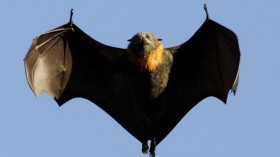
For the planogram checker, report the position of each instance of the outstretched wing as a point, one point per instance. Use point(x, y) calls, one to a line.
point(206, 65)
point(66, 63)
point(51, 56)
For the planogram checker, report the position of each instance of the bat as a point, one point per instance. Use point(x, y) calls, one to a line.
point(146, 88)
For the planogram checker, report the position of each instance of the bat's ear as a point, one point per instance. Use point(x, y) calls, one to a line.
point(159, 39)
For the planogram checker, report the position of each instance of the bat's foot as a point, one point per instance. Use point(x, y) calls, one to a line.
point(153, 148)
point(145, 147)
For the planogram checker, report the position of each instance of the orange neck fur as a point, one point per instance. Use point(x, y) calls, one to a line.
point(151, 62)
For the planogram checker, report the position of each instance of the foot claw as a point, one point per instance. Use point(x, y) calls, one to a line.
point(152, 154)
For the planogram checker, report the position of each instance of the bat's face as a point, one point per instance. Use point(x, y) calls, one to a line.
point(146, 51)
point(144, 43)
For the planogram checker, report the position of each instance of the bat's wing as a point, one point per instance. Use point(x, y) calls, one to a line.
point(205, 65)
point(66, 63)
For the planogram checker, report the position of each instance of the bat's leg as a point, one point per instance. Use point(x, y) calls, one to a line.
point(153, 148)
point(145, 147)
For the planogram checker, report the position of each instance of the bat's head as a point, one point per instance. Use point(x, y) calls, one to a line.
point(142, 44)
point(145, 50)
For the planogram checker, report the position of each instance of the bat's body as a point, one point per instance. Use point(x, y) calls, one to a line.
point(146, 88)
point(152, 65)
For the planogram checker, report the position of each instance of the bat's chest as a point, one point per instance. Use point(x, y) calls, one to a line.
point(141, 85)
point(149, 63)
point(152, 84)
point(149, 76)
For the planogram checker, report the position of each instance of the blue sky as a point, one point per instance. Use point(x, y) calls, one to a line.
point(249, 125)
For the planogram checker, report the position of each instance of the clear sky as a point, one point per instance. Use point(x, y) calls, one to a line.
point(248, 126)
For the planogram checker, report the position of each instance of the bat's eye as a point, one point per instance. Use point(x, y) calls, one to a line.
point(148, 36)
